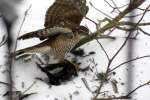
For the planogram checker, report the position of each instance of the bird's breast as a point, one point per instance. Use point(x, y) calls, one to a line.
point(63, 45)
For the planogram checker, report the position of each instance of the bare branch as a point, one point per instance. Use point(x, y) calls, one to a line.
point(124, 43)
point(98, 91)
point(103, 49)
point(113, 23)
point(128, 96)
point(134, 59)
point(126, 40)
point(100, 11)
point(144, 31)
point(133, 24)
point(25, 15)
point(3, 41)
point(86, 84)
point(147, 83)
point(116, 7)
point(113, 98)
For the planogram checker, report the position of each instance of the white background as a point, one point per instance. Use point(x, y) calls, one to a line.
point(26, 72)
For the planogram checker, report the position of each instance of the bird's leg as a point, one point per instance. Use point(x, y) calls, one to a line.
point(25, 56)
point(41, 59)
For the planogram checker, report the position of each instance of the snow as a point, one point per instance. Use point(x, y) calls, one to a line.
point(75, 89)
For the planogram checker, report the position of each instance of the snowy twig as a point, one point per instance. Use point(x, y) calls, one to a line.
point(134, 59)
point(126, 96)
point(25, 15)
point(11, 60)
point(29, 87)
point(124, 43)
point(112, 23)
point(3, 41)
point(86, 84)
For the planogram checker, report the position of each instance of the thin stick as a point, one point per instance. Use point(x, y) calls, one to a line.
point(11, 61)
point(86, 84)
point(126, 40)
point(134, 59)
point(100, 11)
point(25, 15)
point(148, 83)
point(103, 49)
point(29, 87)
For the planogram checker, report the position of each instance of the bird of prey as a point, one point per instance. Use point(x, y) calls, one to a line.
point(62, 30)
point(66, 13)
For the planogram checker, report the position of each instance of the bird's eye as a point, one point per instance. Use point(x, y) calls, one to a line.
point(70, 36)
point(83, 1)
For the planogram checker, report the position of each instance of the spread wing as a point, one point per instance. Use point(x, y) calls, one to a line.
point(66, 13)
point(62, 17)
point(46, 33)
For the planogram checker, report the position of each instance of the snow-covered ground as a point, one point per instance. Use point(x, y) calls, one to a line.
point(24, 73)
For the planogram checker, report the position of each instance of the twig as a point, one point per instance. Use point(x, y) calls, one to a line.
point(111, 60)
point(103, 49)
point(29, 87)
point(113, 98)
point(143, 9)
point(144, 31)
point(111, 24)
point(3, 41)
point(92, 37)
point(86, 84)
point(135, 15)
point(98, 91)
point(133, 24)
point(7, 84)
point(11, 61)
point(132, 6)
point(148, 83)
point(116, 7)
point(25, 15)
point(91, 21)
point(125, 41)
point(128, 96)
point(108, 3)
point(100, 11)
point(137, 58)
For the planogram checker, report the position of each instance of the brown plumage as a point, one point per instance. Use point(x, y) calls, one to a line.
point(66, 13)
point(56, 47)
point(62, 29)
